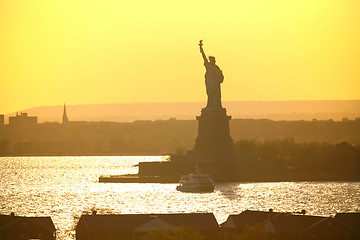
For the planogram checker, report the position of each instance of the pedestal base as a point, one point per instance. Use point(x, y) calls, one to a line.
point(213, 152)
point(213, 134)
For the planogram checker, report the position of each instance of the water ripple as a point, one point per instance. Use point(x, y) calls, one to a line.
point(66, 187)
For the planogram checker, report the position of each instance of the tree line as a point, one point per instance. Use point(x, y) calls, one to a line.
point(337, 161)
point(175, 136)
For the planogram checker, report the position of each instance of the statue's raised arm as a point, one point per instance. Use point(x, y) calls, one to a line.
point(213, 78)
point(202, 51)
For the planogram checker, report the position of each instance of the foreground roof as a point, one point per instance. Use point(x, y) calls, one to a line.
point(350, 219)
point(201, 221)
point(250, 217)
point(44, 222)
point(293, 223)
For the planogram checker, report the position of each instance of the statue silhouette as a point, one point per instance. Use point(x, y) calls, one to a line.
point(213, 78)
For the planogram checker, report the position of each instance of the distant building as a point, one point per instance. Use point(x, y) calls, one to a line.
point(2, 120)
point(65, 118)
point(134, 226)
point(20, 228)
point(22, 120)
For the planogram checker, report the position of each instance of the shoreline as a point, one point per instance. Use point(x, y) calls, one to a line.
point(136, 178)
point(91, 155)
point(243, 176)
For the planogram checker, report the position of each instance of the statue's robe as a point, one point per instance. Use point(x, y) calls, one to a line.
point(213, 78)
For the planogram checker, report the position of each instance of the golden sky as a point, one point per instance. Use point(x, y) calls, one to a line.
point(83, 51)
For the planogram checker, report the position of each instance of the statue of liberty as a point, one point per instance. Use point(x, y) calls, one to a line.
point(213, 78)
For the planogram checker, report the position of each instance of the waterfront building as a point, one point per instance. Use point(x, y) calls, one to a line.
point(289, 226)
point(135, 226)
point(328, 229)
point(19, 228)
point(236, 223)
point(350, 219)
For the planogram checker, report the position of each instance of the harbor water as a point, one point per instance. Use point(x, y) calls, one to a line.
point(66, 187)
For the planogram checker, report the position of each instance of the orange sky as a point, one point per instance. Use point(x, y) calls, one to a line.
point(108, 51)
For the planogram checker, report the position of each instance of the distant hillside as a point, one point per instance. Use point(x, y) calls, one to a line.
point(274, 110)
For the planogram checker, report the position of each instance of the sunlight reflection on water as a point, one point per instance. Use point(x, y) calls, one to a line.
point(65, 187)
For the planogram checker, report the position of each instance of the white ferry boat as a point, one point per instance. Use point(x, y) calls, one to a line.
point(196, 183)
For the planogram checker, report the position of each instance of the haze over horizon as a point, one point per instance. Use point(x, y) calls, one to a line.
point(90, 52)
point(129, 112)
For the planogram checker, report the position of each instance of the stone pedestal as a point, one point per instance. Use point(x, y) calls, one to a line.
point(213, 143)
point(213, 152)
point(214, 131)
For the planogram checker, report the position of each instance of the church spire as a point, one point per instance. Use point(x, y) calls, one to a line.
point(65, 118)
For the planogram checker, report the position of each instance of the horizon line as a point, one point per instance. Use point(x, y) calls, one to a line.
point(129, 103)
